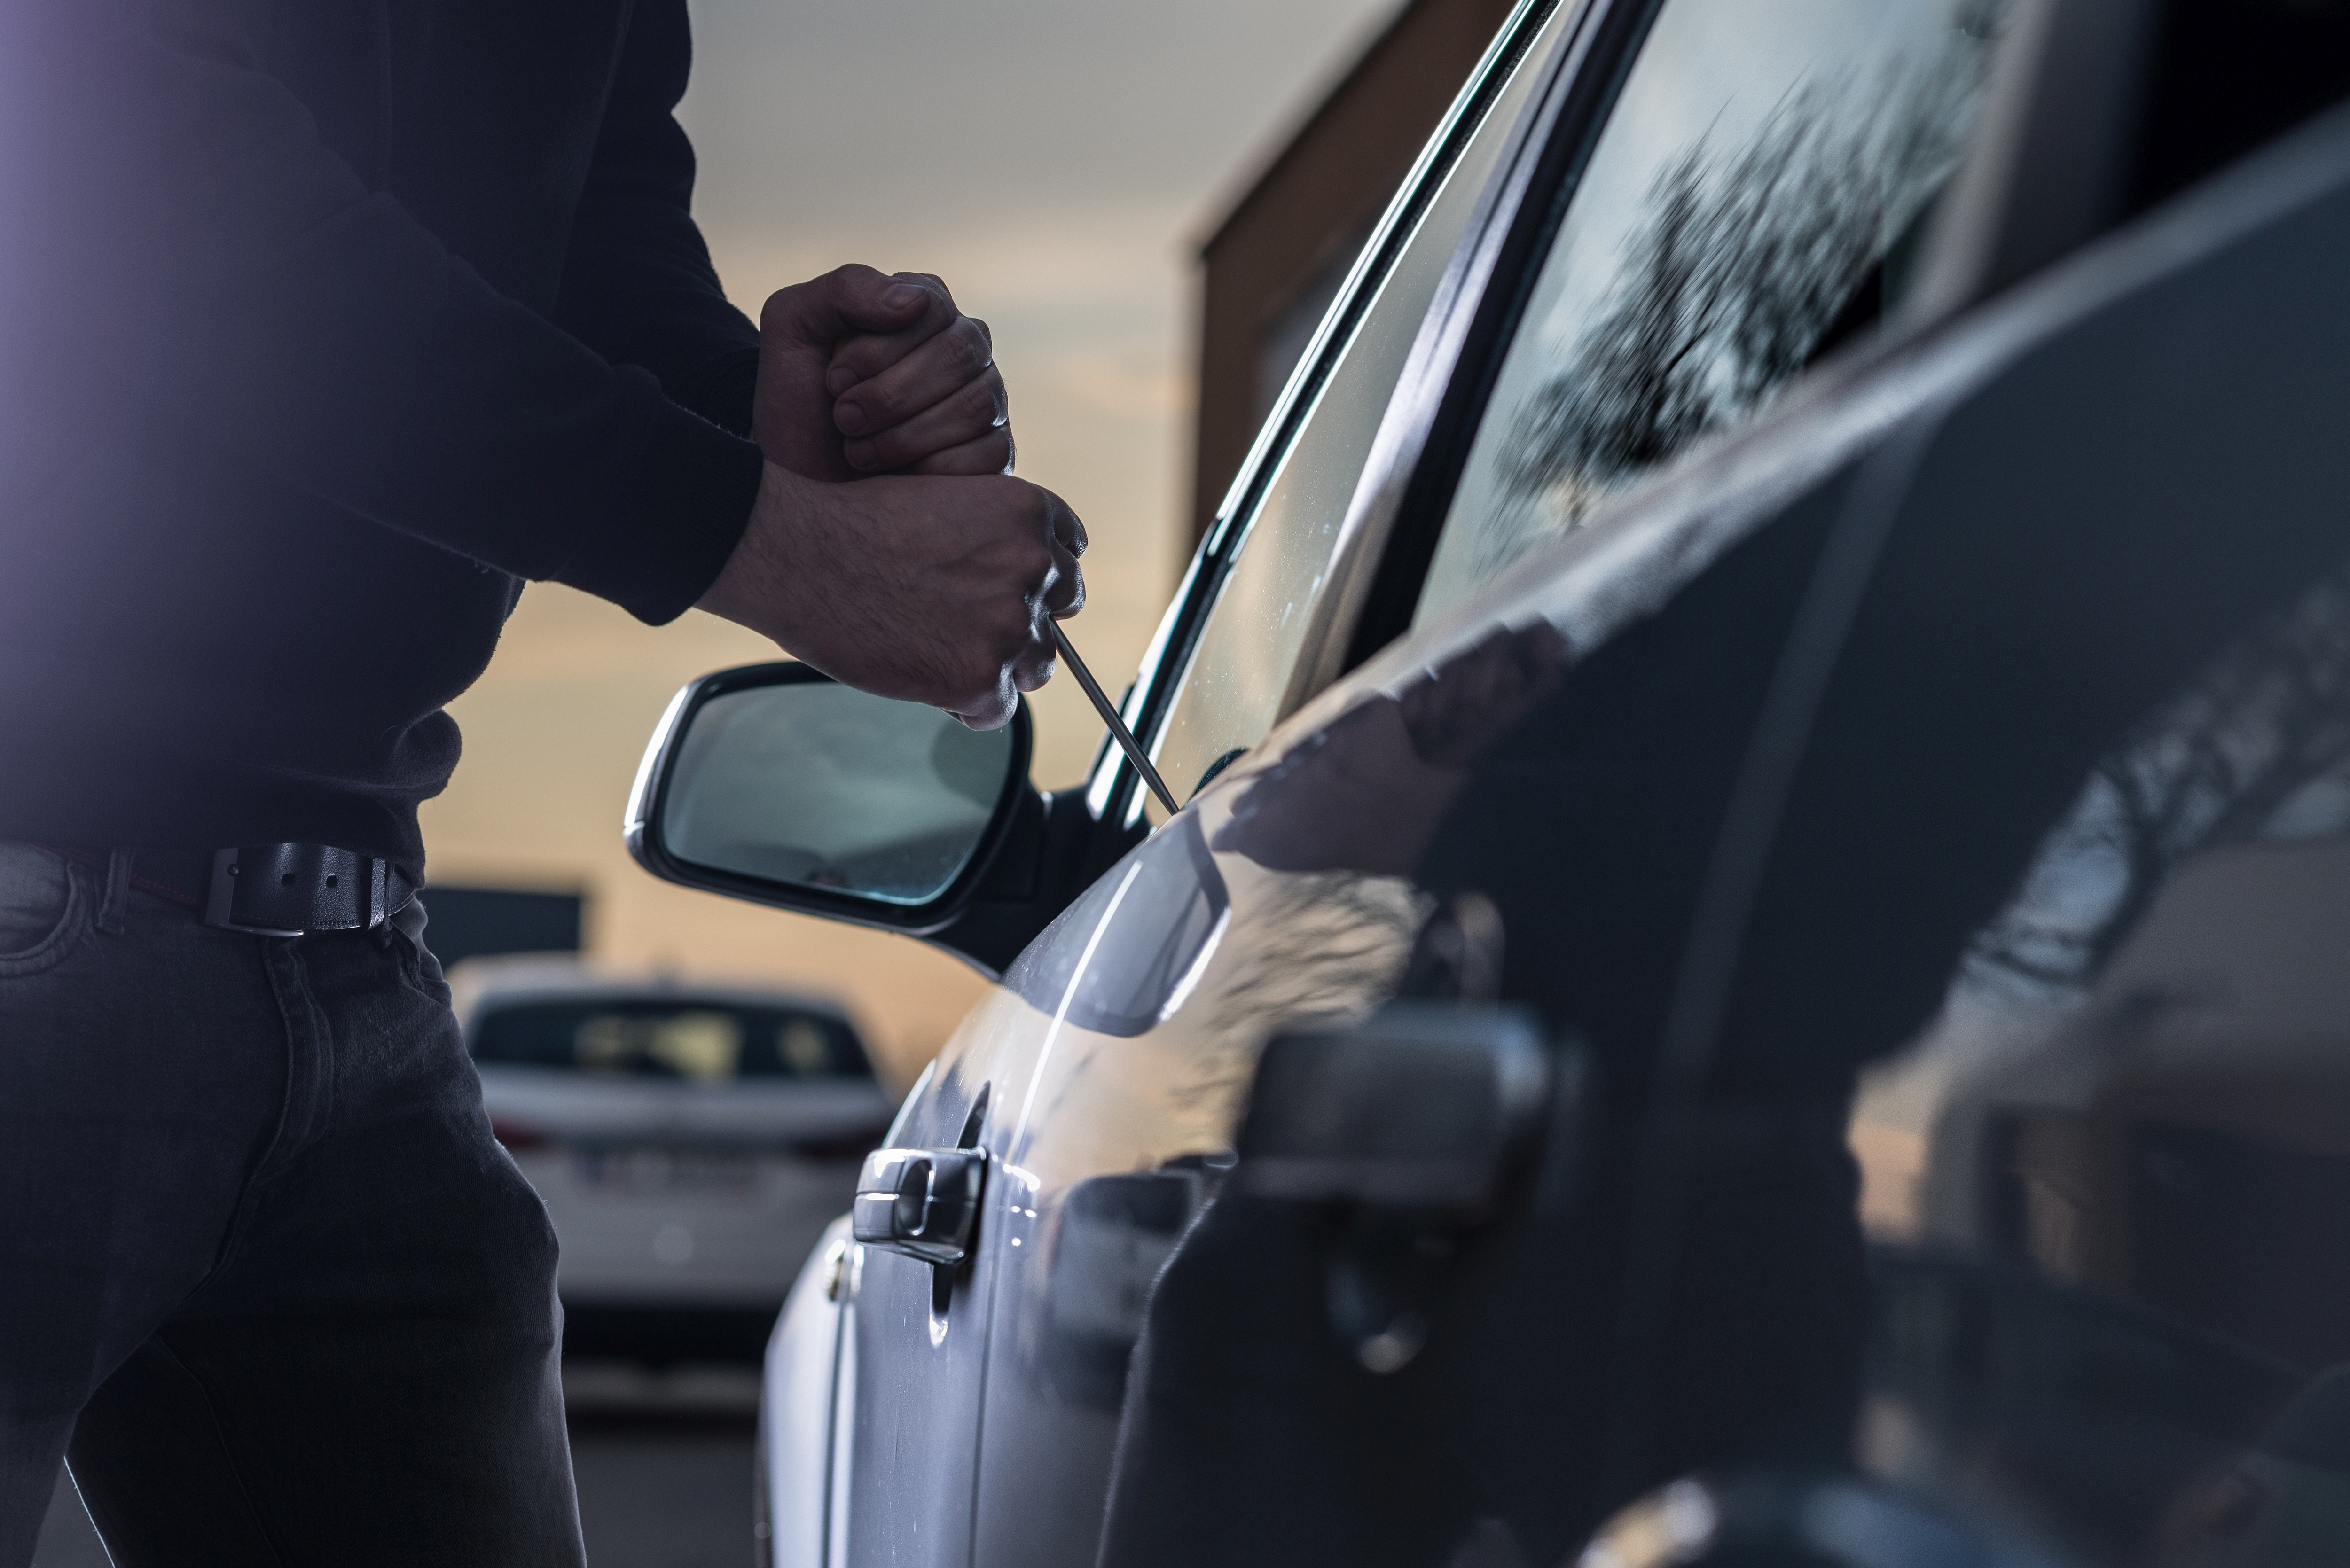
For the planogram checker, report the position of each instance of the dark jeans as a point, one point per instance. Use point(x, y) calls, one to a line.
point(266, 1279)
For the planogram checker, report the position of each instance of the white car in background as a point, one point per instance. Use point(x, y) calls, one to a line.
point(691, 1144)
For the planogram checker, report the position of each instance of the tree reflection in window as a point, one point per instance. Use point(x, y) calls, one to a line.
point(1749, 263)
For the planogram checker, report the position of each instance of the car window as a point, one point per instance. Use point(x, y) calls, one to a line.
point(1754, 199)
point(1231, 692)
point(699, 1042)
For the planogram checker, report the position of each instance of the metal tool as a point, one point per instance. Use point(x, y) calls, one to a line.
point(1117, 730)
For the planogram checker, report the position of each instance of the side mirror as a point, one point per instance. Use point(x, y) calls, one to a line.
point(775, 783)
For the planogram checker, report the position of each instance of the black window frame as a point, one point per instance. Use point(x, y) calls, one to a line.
point(1577, 111)
point(1113, 783)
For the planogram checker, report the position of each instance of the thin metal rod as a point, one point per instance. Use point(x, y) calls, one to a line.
point(1117, 730)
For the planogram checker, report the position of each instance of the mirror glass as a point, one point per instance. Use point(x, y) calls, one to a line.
point(822, 785)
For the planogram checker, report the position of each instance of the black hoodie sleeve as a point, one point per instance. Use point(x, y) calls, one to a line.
point(637, 285)
point(174, 207)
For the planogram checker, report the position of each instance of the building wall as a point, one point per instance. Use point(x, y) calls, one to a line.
point(1274, 262)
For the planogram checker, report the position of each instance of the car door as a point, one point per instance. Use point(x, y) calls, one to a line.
point(2024, 652)
point(2043, 824)
point(1150, 998)
point(2016, 643)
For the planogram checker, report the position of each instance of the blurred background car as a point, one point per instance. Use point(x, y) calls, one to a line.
point(691, 1143)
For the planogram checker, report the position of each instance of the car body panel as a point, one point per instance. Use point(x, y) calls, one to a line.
point(801, 1387)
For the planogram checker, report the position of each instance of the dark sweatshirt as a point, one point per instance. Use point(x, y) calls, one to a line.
point(323, 325)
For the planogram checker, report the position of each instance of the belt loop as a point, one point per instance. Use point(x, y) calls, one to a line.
point(117, 899)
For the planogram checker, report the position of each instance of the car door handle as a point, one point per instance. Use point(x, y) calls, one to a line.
point(923, 1202)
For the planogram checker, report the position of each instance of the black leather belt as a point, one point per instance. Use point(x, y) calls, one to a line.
point(271, 889)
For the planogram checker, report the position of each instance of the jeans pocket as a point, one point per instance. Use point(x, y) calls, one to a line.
point(41, 907)
point(418, 966)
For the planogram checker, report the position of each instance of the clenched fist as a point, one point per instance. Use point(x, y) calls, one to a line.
point(862, 373)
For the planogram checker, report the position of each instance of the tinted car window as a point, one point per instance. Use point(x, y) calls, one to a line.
point(1755, 198)
point(693, 1040)
point(1238, 679)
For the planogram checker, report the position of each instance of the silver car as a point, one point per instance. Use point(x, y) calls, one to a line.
point(691, 1144)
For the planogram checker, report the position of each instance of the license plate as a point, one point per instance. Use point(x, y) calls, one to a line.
point(666, 1170)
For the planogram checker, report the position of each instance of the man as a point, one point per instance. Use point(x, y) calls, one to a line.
point(323, 325)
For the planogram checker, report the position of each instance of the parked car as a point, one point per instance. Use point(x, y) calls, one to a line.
point(691, 1144)
point(1796, 605)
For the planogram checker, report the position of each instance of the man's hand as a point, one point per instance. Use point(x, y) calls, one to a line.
point(864, 373)
point(928, 589)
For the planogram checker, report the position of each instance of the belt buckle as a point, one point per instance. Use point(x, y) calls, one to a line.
point(220, 900)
